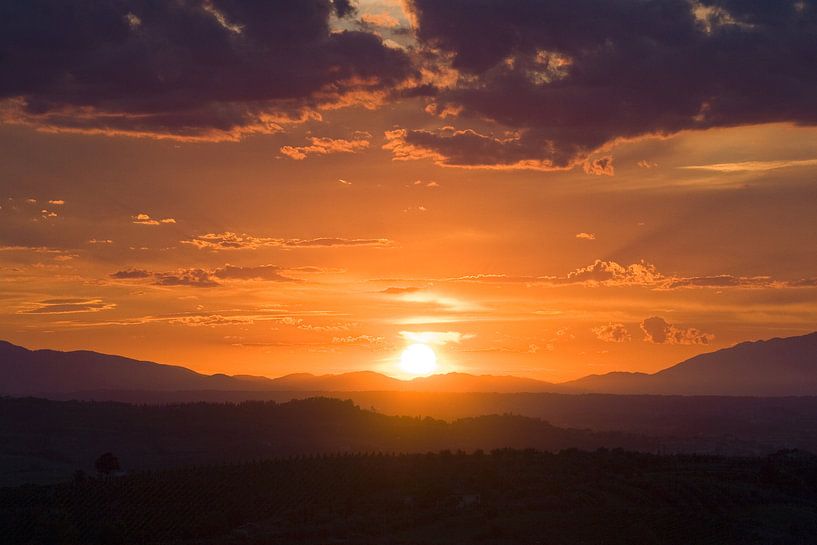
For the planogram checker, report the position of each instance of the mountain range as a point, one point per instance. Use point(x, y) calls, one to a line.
point(775, 367)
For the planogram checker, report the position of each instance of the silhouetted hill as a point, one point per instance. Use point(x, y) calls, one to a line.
point(776, 367)
point(42, 440)
point(51, 373)
point(42, 372)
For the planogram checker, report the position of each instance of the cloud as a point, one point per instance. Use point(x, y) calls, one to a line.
point(230, 241)
point(643, 274)
point(646, 164)
point(380, 19)
point(192, 70)
point(753, 166)
point(467, 148)
point(571, 78)
point(327, 242)
point(724, 281)
point(203, 278)
point(131, 274)
point(145, 219)
point(197, 278)
point(68, 306)
point(210, 320)
point(586, 236)
point(611, 273)
point(400, 291)
point(56, 202)
point(435, 337)
point(659, 331)
point(235, 241)
point(326, 146)
point(270, 273)
point(612, 333)
point(359, 340)
point(602, 166)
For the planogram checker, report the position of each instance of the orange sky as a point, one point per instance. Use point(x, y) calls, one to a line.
point(318, 248)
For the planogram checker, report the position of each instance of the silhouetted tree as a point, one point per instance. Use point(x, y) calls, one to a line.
point(107, 464)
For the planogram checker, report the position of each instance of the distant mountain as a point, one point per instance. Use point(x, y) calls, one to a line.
point(50, 372)
point(41, 372)
point(777, 367)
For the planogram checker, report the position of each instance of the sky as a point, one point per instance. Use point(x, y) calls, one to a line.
point(531, 188)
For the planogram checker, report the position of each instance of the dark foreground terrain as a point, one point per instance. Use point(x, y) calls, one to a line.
point(44, 441)
point(506, 496)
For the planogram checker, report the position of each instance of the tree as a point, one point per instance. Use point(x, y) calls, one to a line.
point(107, 464)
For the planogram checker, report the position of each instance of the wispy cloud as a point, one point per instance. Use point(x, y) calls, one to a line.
point(243, 241)
point(325, 146)
point(435, 337)
point(753, 166)
point(70, 305)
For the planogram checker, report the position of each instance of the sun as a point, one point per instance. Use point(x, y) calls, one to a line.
point(418, 359)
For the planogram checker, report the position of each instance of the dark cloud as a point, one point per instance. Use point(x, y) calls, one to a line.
point(204, 278)
point(130, 274)
point(191, 69)
point(197, 278)
point(570, 77)
point(657, 330)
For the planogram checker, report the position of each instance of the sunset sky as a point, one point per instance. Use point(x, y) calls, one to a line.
point(542, 189)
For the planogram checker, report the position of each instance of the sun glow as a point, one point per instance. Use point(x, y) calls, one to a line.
point(418, 359)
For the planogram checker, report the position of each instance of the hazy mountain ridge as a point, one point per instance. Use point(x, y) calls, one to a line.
point(775, 367)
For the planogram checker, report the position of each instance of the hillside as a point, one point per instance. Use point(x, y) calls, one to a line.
point(776, 367)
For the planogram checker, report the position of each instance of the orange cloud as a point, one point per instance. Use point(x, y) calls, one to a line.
point(380, 19)
point(145, 219)
point(326, 146)
point(612, 333)
point(603, 166)
point(659, 331)
point(235, 241)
